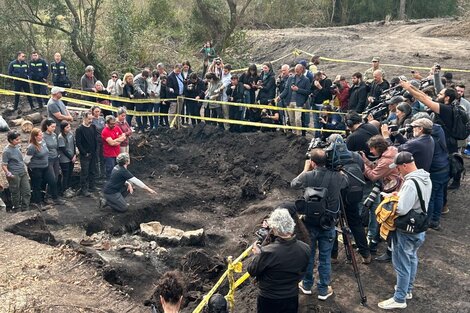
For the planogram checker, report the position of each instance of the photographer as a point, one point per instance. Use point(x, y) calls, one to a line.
point(322, 225)
point(376, 88)
point(413, 195)
point(330, 121)
point(269, 117)
point(340, 91)
point(279, 266)
point(360, 133)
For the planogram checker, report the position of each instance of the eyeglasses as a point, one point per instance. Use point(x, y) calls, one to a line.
point(114, 76)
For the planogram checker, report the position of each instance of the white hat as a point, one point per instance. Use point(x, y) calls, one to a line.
point(56, 90)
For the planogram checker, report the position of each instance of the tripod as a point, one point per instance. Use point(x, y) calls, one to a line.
point(346, 235)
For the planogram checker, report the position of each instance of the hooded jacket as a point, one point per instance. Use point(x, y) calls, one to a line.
point(380, 169)
point(409, 195)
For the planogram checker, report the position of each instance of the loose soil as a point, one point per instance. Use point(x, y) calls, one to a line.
point(82, 258)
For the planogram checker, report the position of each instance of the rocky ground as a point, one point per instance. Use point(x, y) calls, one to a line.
point(82, 258)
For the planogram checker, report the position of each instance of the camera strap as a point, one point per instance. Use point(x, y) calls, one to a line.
point(420, 196)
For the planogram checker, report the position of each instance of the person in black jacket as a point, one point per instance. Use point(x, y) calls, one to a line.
point(357, 94)
point(19, 68)
point(266, 84)
point(321, 93)
point(279, 266)
point(85, 137)
point(360, 133)
point(376, 88)
point(39, 71)
point(194, 89)
point(235, 94)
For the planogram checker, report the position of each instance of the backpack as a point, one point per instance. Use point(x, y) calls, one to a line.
point(460, 128)
point(386, 215)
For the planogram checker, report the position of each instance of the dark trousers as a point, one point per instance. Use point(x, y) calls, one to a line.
point(67, 169)
point(235, 113)
point(194, 109)
point(141, 120)
point(40, 90)
point(87, 172)
point(109, 164)
point(215, 113)
point(164, 110)
point(129, 106)
point(355, 225)
point(40, 177)
point(288, 305)
point(22, 86)
point(117, 201)
point(153, 120)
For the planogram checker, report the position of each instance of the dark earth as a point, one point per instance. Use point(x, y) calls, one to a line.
point(82, 258)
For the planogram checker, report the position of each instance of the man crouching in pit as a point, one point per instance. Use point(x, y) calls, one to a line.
point(119, 185)
point(279, 266)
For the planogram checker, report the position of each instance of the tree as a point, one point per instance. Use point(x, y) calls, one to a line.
point(76, 19)
point(402, 10)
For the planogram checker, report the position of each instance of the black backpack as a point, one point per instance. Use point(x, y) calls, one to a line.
point(460, 128)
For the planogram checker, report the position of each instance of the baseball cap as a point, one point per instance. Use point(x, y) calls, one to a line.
point(401, 158)
point(56, 90)
point(375, 59)
point(303, 63)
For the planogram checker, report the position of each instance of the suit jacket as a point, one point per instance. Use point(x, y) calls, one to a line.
point(302, 93)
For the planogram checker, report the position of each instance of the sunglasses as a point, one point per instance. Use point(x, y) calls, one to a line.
point(114, 76)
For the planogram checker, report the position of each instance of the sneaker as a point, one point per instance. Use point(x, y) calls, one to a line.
point(391, 304)
point(445, 209)
point(435, 225)
point(386, 257)
point(69, 193)
point(373, 247)
point(305, 291)
point(367, 259)
point(409, 295)
point(329, 292)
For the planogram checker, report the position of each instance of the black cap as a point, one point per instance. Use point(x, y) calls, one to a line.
point(401, 158)
point(395, 100)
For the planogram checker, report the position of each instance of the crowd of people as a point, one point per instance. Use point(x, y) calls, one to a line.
point(402, 133)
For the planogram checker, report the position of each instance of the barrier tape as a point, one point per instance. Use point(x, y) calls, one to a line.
point(89, 93)
point(262, 106)
point(177, 115)
point(230, 268)
point(385, 64)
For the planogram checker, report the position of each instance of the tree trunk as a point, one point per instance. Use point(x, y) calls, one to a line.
point(402, 10)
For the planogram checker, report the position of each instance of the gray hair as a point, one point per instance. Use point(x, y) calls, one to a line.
point(281, 221)
point(122, 158)
point(89, 68)
point(109, 118)
point(121, 110)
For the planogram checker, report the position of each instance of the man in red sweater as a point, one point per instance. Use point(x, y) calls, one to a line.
point(112, 137)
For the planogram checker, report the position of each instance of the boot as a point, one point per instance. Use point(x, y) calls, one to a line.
point(386, 257)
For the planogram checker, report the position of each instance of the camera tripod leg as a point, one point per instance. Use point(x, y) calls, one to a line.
point(346, 233)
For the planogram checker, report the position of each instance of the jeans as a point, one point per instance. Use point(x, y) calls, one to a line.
point(439, 181)
point(142, 120)
point(87, 171)
point(405, 261)
point(316, 119)
point(20, 190)
point(323, 239)
point(153, 120)
point(67, 169)
point(109, 164)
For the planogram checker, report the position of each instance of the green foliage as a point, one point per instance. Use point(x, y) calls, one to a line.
point(120, 27)
point(209, 20)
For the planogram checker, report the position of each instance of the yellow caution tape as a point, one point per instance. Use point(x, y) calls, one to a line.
point(90, 94)
point(206, 298)
point(386, 64)
point(210, 119)
point(262, 106)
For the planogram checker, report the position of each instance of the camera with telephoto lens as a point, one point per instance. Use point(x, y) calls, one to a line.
point(407, 129)
point(373, 195)
point(264, 234)
point(392, 128)
point(315, 143)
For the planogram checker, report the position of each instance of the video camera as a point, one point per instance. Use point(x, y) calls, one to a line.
point(264, 234)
